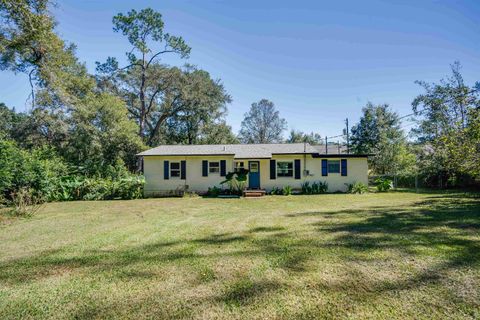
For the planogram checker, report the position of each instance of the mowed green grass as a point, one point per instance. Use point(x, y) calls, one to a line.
point(388, 256)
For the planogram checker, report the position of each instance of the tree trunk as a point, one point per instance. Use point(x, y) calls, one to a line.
point(143, 109)
point(156, 128)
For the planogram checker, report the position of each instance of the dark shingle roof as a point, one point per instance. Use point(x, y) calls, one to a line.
point(240, 150)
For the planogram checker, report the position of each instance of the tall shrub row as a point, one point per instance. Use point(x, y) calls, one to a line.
point(42, 175)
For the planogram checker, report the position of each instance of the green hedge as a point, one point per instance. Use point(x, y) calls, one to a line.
point(49, 178)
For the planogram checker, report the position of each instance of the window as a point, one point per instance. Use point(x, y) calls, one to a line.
point(214, 167)
point(239, 165)
point(253, 167)
point(175, 169)
point(333, 166)
point(284, 169)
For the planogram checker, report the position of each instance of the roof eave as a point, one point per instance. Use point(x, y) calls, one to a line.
point(340, 155)
point(186, 155)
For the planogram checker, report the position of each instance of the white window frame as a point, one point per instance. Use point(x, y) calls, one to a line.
point(214, 169)
point(179, 170)
point(339, 166)
point(290, 163)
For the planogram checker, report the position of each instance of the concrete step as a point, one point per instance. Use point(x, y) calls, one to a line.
point(253, 193)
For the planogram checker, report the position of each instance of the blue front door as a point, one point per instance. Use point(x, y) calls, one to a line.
point(254, 175)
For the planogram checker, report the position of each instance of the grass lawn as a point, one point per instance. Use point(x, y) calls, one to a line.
point(397, 255)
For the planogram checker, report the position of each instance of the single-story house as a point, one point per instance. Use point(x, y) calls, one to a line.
point(168, 168)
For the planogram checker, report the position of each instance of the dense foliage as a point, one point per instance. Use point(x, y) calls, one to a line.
point(444, 149)
point(378, 133)
point(299, 136)
point(448, 130)
point(39, 170)
point(41, 175)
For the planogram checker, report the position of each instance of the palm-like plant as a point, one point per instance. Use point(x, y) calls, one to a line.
point(236, 180)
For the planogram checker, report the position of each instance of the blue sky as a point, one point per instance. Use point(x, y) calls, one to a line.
point(318, 61)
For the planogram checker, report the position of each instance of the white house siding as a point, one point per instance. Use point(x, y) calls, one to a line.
point(357, 170)
point(156, 184)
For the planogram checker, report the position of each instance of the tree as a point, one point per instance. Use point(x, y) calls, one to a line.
point(143, 29)
point(298, 136)
point(447, 127)
point(29, 44)
point(444, 106)
point(101, 134)
point(217, 133)
point(9, 120)
point(262, 124)
point(378, 132)
point(191, 103)
point(26, 36)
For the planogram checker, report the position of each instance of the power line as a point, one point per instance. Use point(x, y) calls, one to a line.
point(340, 135)
point(411, 114)
point(415, 113)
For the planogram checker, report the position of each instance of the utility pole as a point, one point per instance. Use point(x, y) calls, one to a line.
point(326, 145)
point(348, 137)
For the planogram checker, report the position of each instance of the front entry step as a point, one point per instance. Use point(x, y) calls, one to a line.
point(253, 193)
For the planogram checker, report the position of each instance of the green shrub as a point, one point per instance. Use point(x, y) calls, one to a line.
point(39, 170)
point(319, 187)
point(314, 188)
point(287, 190)
point(276, 191)
point(96, 188)
point(357, 187)
point(130, 187)
point(214, 191)
point(383, 184)
point(69, 188)
point(46, 176)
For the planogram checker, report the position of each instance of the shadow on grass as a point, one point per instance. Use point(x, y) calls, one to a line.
point(220, 239)
point(266, 229)
point(445, 227)
point(244, 291)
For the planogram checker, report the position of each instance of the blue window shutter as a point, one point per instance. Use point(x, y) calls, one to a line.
point(166, 170)
point(298, 173)
point(223, 168)
point(273, 167)
point(324, 167)
point(344, 167)
point(183, 170)
point(204, 168)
